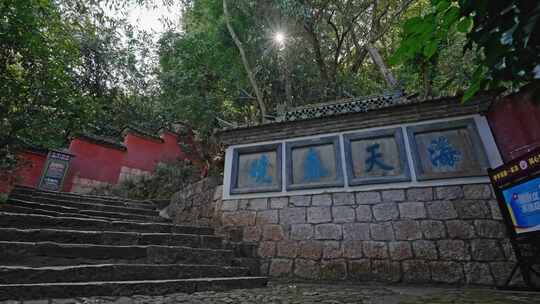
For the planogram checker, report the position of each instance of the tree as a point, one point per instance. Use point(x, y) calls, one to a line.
point(507, 34)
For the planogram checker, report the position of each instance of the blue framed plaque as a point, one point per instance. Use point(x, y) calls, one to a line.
point(375, 157)
point(314, 163)
point(447, 150)
point(256, 169)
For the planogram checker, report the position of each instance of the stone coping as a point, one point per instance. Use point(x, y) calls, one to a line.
point(443, 107)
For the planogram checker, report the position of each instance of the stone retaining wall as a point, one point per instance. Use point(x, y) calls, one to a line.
point(451, 234)
point(194, 205)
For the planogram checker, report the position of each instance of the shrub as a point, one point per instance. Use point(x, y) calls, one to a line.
point(167, 179)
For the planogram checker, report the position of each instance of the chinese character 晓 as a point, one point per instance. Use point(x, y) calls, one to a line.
point(258, 170)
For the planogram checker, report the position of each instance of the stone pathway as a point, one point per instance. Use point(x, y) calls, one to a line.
point(292, 293)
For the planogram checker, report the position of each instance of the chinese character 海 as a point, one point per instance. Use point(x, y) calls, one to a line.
point(442, 154)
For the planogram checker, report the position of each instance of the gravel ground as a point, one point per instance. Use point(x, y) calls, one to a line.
point(290, 293)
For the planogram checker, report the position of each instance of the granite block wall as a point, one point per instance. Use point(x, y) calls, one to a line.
point(448, 234)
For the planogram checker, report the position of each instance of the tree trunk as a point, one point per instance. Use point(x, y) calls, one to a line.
point(250, 74)
point(426, 79)
point(377, 59)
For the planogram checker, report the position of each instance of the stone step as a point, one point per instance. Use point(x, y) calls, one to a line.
point(59, 254)
point(82, 205)
point(71, 211)
point(125, 288)
point(92, 199)
point(29, 221)
point(24, 210)
point(114, 272)
point(110, 238)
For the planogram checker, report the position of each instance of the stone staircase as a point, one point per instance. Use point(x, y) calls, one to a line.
point(62, 245)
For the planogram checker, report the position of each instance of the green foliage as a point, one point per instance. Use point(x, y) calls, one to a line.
point(3, 198)
point(505, 32)
point(167, 179)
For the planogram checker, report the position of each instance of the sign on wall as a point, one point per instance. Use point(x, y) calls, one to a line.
point(54, 171)
point(376, 157)
point(517, 186)
point(256, 169)
point(314, 163)
point(447, 150)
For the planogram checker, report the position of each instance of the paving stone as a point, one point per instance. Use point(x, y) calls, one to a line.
point(343, 198)
point(321, 200)
point(332, 250)
point(356, 231)
point(279, 202)
point(306, 269)
point(343, 214)
point(301, 232)
point(382, 231)
point(447, 272)
point(287, 249)
point(267, 249)
point(239, 218)
point(310, 250)
point(333, 293)
point(363, 213)
point(267, 217)
point(333, 270)
point(486, 250)
point(289, 216)
point(368, 198)
point(420, 194)
point(495, 210)
point(229, 205)
point(243, 204)
point(490, 229)
point(386, 271)
point(460, 229)
point(472, 209)
point(252, 234)
point(478, 274)
point(416, 271)
point(359, 270)
point(317, 215)
point(328, 232)
point(441, 210)
point(280, 267)
point(376, 250)
point(425, 250)
point(478, 191)
point(397, 195)
point(272, 233)
point(400, 250)
point(433, 229)
point(385, 211)
point(448, 192)
point(412, 210)
point(300, 200)
point(353, 249)
point(258, 204)
point(453, 250)
point(407, 230)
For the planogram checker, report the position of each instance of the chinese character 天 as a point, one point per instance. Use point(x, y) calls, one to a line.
point(375, 159)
